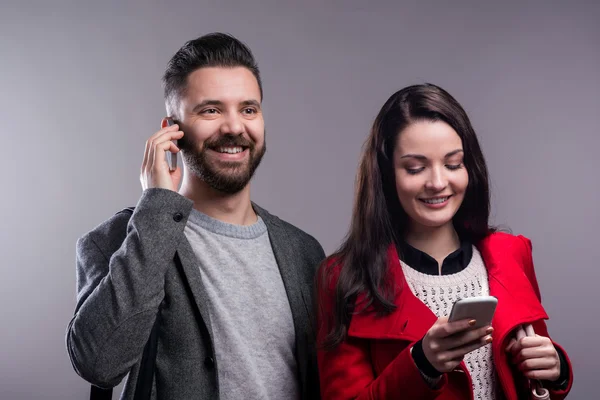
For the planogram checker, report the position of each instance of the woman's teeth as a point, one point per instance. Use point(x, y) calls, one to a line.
point(435, 201)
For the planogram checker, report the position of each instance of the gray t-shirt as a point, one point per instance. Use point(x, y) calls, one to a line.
point(249, 310)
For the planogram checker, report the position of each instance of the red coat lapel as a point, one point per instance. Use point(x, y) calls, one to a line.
point(411, 319)
point(517, 302)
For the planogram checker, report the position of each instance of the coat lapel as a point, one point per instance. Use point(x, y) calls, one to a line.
point(289, 263)
point(517, 301)
point(290, 266)
point(409, 321)
point(189, 265)
point(287, 260)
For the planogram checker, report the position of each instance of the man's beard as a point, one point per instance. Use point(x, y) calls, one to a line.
point(229, 176)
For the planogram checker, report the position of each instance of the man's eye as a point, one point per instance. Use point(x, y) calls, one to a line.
point(210, 111)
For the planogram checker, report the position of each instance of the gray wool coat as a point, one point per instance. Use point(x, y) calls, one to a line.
point(133, 270)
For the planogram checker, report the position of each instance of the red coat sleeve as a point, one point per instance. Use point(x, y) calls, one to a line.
point(540, 326)
point(347, 372)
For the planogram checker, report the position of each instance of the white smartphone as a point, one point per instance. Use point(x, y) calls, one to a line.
point(171, 157)
point(481, 309)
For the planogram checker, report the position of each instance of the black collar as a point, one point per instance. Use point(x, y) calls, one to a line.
point(424, 263)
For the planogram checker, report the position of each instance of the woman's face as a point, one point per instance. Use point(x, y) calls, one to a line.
point(431, 178)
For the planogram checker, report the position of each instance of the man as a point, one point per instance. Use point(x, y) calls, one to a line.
point(222, 288)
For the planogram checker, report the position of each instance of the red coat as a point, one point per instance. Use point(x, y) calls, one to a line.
point(374, 362)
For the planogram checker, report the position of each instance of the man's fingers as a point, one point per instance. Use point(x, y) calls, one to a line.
point(162, 131)
point(167, 136)
point(159, 153)
point(174, 133)
point(155, 171)
point(158, 141)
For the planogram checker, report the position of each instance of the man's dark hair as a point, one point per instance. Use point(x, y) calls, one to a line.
point(211, 50)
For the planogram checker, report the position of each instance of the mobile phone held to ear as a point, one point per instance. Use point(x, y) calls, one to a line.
point(481, 309)
point(172, 157)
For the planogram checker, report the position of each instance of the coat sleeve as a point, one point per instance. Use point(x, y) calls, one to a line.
point(119, 292)
point(346, 372)
point(540, 326)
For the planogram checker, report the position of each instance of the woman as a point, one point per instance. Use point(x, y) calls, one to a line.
point(419, 240)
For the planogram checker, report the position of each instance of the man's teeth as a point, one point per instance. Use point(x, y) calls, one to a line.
point(435, 201)
point(230, 150)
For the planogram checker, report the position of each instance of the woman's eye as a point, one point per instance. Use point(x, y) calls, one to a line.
point(414, 171)
point(454, 167)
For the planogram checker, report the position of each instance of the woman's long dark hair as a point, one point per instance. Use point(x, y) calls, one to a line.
point(378, 219)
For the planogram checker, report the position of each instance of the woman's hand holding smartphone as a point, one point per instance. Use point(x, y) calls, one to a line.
point(467, 329)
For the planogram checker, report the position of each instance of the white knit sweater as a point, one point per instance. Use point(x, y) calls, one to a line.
point(439, 292)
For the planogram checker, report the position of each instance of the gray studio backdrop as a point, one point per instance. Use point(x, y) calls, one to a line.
point(81, 93)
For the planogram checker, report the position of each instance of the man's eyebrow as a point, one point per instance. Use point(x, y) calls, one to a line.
point(205, 103)
point(254, 103)
point(209, 102)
